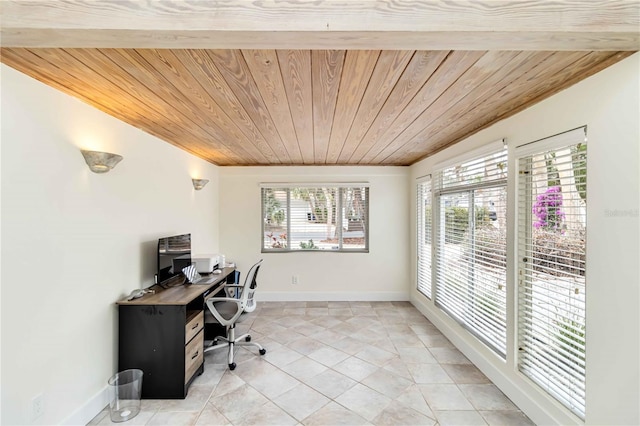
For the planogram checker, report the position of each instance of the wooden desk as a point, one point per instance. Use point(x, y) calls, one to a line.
point(163, 335)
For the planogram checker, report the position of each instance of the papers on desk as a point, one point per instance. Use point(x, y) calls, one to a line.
point(191, 273)
point(193, 277)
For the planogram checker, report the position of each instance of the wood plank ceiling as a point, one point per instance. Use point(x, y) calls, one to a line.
point(302, 107)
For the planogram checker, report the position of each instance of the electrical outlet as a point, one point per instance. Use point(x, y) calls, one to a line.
point(37, 406)
point(294, 279)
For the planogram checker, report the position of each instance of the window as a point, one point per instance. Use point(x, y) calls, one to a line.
point(328, 217)
point(470, 246)
point(552, 201)
point(424, 235)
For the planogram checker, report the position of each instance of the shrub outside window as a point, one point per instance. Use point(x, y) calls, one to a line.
point(315, 218)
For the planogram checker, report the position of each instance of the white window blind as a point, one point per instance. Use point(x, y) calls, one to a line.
point(305, 217)
point(471, 246)
point(552, 197)
point(424, 216)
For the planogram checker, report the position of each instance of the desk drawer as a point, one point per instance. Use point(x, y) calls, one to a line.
point(195, 323)
point(193, 355)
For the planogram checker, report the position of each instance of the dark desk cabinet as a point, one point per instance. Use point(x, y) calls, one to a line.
point(163, 335)
point(159, 340)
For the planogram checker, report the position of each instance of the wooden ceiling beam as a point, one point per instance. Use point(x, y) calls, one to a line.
point(329, 24)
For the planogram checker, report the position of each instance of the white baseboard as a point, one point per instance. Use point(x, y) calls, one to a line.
point(337, 296)
point(89, 410)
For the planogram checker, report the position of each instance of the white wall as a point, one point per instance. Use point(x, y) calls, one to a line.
point(381, 274)
point(608, 103)
point(74, 242)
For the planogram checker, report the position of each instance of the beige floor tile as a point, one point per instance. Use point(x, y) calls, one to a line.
point(305, 345)
point(339, 304)
point(268, 414)
point(360, 304)
point(355, 368)
point(416, 355)
point(506, 418)
point(236, 404)
point(317, 312)
point(459, 418)
point(465, 374)
point(331, 383)
point(435, 341)
point(347, 345)
point(429, 373)
point(328, 356)
point(285, 335)
point(327, 336)
point(364, 401)
point(319, 304)
point(282, 356)
point(387, 383)
point(301, 401)
point(304, 368)
point(291, 321)
point(196, 399)
point(170, 418)
point(340, 311)
point(444, 397)
point(325, 322)
point(273, 384)
point(395, 415)
point(228, 383)
point(487, 397)
point(308, 329)
point(295, 311)
point(399, 368)
point(211, 375)
point(376, 355)
point(363, 311)
point(210, 416)
point(335, 415)
point(449, 356)
point(413, 398)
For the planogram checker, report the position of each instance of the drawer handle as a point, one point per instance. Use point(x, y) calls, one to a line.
point(196, 355)
point(195, 326)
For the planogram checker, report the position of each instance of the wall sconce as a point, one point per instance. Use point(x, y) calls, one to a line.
point(100, 162)
point(198, 184)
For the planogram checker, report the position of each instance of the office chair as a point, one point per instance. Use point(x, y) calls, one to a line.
point(228, 311)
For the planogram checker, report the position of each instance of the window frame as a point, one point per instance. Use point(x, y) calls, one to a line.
point(339, 189)
point(544, 374)
point(424, 270)
point(443, 187)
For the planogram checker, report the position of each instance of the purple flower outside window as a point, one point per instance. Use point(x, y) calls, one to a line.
point(547, 209)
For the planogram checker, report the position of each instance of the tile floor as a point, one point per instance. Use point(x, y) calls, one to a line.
point(337, 363)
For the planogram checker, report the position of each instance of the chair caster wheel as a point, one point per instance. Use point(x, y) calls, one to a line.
point(247, 339)
point(262, 351)
point(232, 366)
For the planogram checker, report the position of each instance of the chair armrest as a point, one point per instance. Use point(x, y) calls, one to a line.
point(223, 299)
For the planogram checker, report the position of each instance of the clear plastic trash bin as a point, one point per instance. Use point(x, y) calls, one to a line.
point(125, 389)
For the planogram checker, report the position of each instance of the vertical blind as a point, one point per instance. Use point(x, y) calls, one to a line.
point(306, 217)
point(552, 197)
point(424, 216)
point(471, 246)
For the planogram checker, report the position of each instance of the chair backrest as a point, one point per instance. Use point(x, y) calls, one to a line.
point(249, 288)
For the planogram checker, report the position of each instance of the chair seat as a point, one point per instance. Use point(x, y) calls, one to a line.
point(226, 310)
